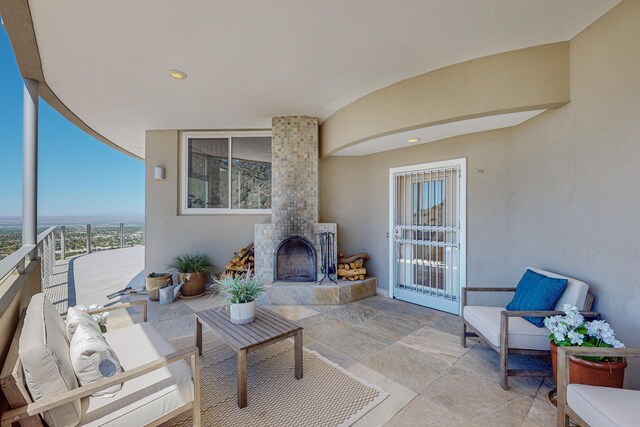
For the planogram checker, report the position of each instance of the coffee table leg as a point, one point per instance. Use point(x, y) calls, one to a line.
point(242, 378)
point(298, 353)
point(199, 336)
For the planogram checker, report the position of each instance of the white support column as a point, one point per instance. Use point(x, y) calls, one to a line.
point(30, 164)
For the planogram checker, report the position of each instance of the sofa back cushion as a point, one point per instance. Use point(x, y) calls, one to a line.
point(575, 293)
point(44, 353)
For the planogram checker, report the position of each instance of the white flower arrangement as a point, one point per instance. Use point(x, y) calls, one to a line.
point(572, 330)
point(101, 318)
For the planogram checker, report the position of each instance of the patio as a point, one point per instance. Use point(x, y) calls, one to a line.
point(411, 352)
point(454, 145)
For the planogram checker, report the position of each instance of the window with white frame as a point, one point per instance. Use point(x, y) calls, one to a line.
point(226, 172)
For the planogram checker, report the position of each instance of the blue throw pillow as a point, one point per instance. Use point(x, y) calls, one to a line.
point(537, 292)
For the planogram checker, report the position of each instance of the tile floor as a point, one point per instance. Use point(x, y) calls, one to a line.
point(412, 352)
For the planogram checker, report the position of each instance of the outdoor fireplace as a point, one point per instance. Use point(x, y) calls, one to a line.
point(295, 260)
point(289, 248)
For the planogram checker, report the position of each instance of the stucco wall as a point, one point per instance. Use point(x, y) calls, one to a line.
point(169, 234)
point(559, 192)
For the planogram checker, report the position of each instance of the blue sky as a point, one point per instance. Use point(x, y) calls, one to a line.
point(78, 175)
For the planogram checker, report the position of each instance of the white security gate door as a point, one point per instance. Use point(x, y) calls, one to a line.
point(427, 234)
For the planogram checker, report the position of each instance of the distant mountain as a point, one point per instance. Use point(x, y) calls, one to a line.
point(48, 221)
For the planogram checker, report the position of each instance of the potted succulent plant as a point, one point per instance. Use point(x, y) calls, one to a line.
point(241, 291)
point(572, 330)
point(193, 270)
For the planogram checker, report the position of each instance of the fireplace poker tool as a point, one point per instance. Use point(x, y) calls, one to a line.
point(326, 247)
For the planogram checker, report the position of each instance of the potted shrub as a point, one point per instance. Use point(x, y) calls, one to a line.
point(241, 291)
point(193, 270)
point(572, 330)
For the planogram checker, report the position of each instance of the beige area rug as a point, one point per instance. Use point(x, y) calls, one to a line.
point(327, 395)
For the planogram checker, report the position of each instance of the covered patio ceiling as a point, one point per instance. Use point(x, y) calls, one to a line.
point(246, 61)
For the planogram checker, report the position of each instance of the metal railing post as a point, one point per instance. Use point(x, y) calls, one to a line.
point(122, 235)
point(63, 242)
point(88, 238)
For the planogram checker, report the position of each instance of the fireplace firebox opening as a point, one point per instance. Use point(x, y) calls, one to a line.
point(295, 260)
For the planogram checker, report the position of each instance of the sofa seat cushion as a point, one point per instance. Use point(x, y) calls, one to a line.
point(604, 406)
point(146, 398)
point(522, 334)
point(44, 352)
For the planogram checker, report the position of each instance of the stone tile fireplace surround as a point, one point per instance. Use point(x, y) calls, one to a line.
point(294, 193)
point(294, 213)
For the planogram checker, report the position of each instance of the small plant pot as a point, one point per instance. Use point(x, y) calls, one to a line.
point(242, 313)
point(194, 283)
point(603, 374)
point(152, 284)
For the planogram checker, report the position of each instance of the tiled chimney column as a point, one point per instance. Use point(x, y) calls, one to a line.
point(294, 191)
point(294, 160)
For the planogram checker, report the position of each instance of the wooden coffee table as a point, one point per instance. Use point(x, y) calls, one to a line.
point(267, 329)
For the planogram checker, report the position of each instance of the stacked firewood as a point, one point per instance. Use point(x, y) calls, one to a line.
point(352, 267)
point(241, 262)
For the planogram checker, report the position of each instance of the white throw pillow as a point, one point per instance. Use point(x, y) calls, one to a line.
point(93, 359)
point(77, 317)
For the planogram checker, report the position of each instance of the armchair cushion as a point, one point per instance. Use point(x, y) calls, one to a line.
point(144, 399)
point(575, 292)
point(44, 352)
point(522, 334)
point(604, 406)
point(537, 292)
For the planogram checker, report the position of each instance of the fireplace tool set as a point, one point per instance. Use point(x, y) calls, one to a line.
point(328, 268)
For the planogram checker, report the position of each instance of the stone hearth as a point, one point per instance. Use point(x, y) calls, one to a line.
point(328, 293)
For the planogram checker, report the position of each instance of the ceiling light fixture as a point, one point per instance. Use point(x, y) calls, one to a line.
point(177, 74)
point(413, 140)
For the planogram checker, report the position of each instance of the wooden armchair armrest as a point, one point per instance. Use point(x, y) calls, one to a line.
point(49, 403)
point(481, 289)
point(564, 370)
point(565, 352)
point(536, 313)
point(119, 306)
point(487, 289)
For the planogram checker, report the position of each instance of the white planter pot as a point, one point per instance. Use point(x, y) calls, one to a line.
point(242, 313)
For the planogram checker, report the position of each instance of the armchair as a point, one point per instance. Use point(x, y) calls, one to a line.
point(508, 333)
point(593, 406)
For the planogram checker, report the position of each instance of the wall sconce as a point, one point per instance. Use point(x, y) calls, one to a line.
point(158, 173)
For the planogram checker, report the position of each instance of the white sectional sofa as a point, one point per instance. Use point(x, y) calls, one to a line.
point(40, 384)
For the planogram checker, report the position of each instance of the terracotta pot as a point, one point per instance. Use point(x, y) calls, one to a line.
point(193, 283)
point(604, 374)
point(152, 284)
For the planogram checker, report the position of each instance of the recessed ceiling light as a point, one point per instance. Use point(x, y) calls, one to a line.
point(137, 148)
point(413, 140)
point(177, 74)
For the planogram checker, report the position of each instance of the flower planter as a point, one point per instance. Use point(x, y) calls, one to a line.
point(153, 283)
point(242, 313)
point(194, 283)
point(604, 374)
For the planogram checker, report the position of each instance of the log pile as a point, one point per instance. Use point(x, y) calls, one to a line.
point(352, 267)
point(241, 262)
